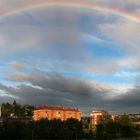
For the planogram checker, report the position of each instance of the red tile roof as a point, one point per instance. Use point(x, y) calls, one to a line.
point(56, 108)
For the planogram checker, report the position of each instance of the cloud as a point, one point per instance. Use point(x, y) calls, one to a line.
point(56, 89)
point(55, 34)
point(126, 35)
point(128, 102)
point(58, 82)
point(123, 32)
point(127, 74)
point(17, 66)
point(42, 48)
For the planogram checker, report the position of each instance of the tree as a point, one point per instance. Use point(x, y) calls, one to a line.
point(124, 120)
point(126, 127)
point(112, 129)
point(100, 132)
point(6, 109)
point(28, 111)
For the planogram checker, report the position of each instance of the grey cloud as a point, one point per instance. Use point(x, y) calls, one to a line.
point(59, 82)
point(56, 89)
point(128, 102)
point(55, 34)
point(54, 41)
point(126, 35)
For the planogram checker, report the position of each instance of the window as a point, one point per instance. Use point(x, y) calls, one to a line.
point(58, 114)
point(69, 114)
point(95, 122)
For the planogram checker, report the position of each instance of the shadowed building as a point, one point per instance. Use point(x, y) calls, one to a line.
point(62, 113)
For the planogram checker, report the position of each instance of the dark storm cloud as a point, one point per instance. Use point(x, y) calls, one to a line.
point(59, 82)
point(56, 89)
point(128, 102)
point(52, 88)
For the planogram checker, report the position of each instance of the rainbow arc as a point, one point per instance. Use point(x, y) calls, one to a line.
point(71, 4)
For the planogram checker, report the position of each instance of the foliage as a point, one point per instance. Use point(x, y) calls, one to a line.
point(18, 125)
point(16, 110)
point(43, 129)
point(115, 129)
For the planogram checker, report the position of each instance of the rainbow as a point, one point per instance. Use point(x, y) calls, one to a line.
point(68, 4)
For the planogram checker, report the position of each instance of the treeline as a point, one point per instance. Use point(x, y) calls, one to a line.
point(64, 130)
point(113, 130)
point(42, 130)
point(15, 110)
point(16, 123)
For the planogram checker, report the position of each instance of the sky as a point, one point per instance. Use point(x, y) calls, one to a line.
point(78, 53)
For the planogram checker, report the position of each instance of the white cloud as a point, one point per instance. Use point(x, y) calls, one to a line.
point(126, 35)
point(127, 74)
point(17, 65)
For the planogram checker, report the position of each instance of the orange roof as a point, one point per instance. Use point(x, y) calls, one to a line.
point(56, 108)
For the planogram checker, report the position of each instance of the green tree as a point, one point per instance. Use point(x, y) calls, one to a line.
point(100, 132)
point(126, 127)
point(124, 120)
point(6, 109)
point(112, 129)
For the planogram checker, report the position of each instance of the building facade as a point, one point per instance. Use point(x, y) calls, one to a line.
point(98, 117)
point(115, 117)
point(62, 113)
point(135, 118)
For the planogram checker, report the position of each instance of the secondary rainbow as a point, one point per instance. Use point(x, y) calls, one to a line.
point(71, 4)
